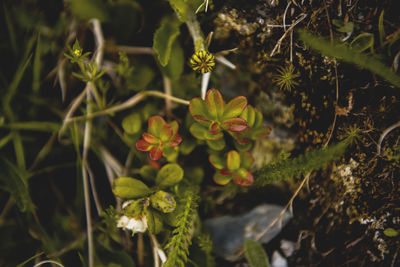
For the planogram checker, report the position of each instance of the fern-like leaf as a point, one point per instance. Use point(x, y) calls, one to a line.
point(180, 241)
point(342, 52)
point(289, 168)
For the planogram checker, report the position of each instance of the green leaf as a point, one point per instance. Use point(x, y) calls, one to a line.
point(37, 66)
point(185, 148)
point(16, 183)
point(198, 107)
point(164, 37)
point(217, 145)
point(174, 68)
point(181, 8)
point(140, 78)
point(214, 103)
point(255, 254)
point(155, 125)
point(235, 107)
point(127, 187)
point(132, 123)
point(381, 28)
point(163, 201)
point(390, 232)
point(89, 9)
point(217, 161)
point(148, 172)
point(246, 160)
point(154, 221)
point(362, 42)
point(198, 131)
point(222, 179)
point(233, 160)
point(249, 114)
point(343, 27)
point(169, 175)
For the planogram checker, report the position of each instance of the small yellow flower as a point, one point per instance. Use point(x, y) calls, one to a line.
point(77, 52)
point(202, 61)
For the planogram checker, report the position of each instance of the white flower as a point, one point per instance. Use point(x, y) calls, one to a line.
point(135, 225)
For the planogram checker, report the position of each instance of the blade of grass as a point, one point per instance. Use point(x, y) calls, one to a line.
point(10, 28)
point(37, 66)
point(41, 126)
point(5, 140)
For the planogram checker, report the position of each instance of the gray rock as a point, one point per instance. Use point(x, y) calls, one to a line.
point(229, 233)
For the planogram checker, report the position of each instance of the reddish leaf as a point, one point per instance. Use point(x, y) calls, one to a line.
point(214, 128)
point(143, 145)
point(246, 181)
point(156, 123)
point(261, 132)
point(156, 152)
point(225, 172)
point(235, 125)
point(176, 140)
point(235, 107)
point(149, 138)
point(242, 138)
point(214, 103)
point(201, 118)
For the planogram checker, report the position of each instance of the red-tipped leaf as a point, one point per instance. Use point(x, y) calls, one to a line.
point(156, 152)
point(235, 125)
point(176, 140)
point(149, 138)
point(143, 145)
point(214, 103)
point(244, 181)
point(156, 123)
point(214, 128)
point(235, 107)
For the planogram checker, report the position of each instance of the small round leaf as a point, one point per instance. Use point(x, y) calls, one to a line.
point(169, 175)
point(132, 123)
point(126, 187)
point(163, 201)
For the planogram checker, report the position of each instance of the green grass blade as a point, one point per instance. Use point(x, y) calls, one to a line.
point(37, 66)
point(4, 141)
point(10, 28)
point(41, 126)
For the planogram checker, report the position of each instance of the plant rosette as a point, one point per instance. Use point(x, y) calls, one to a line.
point(234, 168)
point(145, 206)
point(255, 131)
point(160, 138)
point(213, 116)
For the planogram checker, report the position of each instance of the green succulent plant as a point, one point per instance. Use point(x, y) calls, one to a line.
point(213, 116)
point(235, 167)
point(256, 129)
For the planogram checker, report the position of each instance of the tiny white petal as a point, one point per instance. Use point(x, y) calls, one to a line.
point(123, 221)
